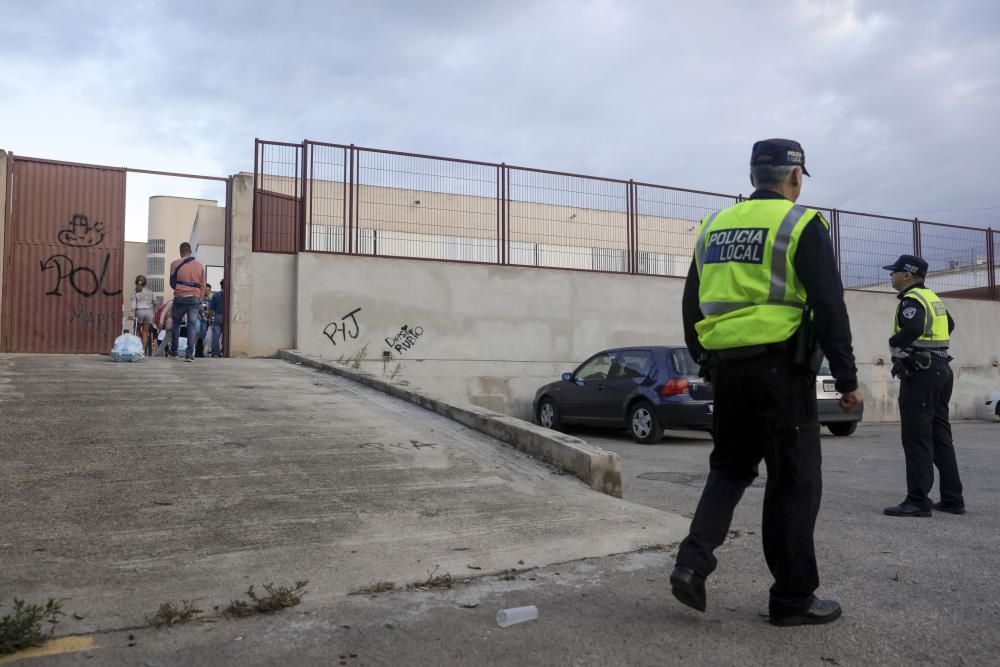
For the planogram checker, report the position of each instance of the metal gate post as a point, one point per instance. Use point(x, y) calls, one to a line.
point(991, 269)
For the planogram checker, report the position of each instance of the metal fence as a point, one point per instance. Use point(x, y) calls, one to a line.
point(336, 198)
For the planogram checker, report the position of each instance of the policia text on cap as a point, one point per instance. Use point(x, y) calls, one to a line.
point(763, 296)
point(921, 330)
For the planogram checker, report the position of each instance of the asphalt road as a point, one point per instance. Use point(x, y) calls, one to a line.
point(914, 591)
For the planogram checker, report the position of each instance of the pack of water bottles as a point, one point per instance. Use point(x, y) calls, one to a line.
point(127, 348)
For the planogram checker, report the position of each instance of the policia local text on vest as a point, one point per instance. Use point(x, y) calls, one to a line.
point(921, 332)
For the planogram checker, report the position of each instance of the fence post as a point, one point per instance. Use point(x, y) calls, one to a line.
point(499, 213)
point(504, 241)
point(631, 229)
point(991, 269)
point(916, 237)
point(343, 239)
point(835, 235)
point(349, 237)
point(253, 203)
point(301, 245)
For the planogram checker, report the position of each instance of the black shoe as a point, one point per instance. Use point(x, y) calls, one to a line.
point(688, 587)
point(953, 508)
point(906, 509)
point(821, 611)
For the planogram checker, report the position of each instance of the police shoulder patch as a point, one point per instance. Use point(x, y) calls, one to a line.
point(908, 313)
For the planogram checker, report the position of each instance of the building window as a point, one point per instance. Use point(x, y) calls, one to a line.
point(154, 266)
point(156, 246)
point(156, 284)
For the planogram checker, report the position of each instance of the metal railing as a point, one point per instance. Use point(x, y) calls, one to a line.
point(337, 198)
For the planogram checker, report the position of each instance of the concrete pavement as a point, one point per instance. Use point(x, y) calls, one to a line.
point(128, 485)
point(915, 591)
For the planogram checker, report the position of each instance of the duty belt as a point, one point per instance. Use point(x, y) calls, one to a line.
point(749, 352)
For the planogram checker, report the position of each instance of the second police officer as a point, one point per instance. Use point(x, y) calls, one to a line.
point(759, 268)
point(921, 330)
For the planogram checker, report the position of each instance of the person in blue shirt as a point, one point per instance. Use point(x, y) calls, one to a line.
point(215, 306)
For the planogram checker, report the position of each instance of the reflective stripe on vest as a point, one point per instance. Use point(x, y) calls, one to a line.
point(935, 333)
point(749, 293)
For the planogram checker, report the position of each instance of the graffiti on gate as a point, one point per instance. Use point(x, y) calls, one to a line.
point(333, 328)
point(80, 233)
point(405, 339)
point(82, 279)
point(85, 281)
point(90, 318)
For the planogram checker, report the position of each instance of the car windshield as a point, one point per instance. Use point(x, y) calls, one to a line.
point(683, 362)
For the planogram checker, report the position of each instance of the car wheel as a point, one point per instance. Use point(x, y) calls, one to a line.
point(843, 428)
point(548, 414)
point(644, 425)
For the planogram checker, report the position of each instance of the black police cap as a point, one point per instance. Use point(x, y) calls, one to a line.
point(778, 152)
point(915, 265)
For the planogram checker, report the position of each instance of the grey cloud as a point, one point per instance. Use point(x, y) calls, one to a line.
point(894, 102)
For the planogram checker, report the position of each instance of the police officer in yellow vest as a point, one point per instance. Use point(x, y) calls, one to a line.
point(919, 344)
point(762, 287)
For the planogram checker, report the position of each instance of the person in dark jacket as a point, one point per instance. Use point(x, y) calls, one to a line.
point(763, 277)
point(919, 344)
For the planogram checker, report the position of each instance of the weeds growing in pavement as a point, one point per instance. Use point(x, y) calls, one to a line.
point(171, 614)
point(277, 598)
point(23, 628)
point(439, 581)
point(377, 587)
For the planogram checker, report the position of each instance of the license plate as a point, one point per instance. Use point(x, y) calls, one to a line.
point(829, 386)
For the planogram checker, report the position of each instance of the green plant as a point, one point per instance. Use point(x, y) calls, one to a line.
point(277, 598)
point(356, 359)
point(23, 628)
point(171, 614)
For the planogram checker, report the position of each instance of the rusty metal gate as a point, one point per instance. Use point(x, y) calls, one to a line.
point(63, 257)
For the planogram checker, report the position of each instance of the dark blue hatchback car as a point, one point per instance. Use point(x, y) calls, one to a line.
point(644, 389)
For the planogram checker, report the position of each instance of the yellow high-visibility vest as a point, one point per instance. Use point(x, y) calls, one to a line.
point(935, 333)
point(750, 293)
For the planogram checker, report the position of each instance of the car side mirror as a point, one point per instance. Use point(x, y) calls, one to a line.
point(567, 377)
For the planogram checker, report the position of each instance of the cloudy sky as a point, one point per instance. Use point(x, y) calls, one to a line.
point(897, 103)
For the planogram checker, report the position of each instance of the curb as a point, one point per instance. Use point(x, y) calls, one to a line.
point(600, 469)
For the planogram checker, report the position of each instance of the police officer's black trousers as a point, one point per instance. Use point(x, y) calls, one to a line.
point(764, 409)
point(923, 412)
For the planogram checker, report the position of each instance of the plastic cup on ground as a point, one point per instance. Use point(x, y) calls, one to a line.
point(514, 615)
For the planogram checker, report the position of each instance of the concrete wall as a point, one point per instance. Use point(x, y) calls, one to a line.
point(492, 335)
point(488, 334)
point(3, 217)
point(974, 344)
point(262, 293)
